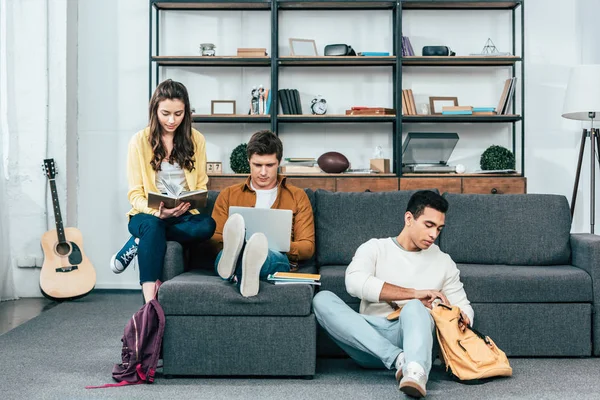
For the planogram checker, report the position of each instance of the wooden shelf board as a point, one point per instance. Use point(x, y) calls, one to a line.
point(460, 5)
point(336, 4)
point(454, 175)
point(212, 4)
point(460, 118)
point(236, 118)
point(335, 118)
point(336, 60)
point(460, 61)
point(213, 61)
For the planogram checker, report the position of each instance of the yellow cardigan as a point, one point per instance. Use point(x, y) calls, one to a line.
point(142, 178)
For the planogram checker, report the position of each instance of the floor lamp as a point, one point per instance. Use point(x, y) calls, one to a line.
point(582, 103)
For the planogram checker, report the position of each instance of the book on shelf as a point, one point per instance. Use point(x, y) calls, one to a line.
point(374, 53)
point(294, 278)
point(407, 49)
point(371, 111)
point(176, 195)
point(409, 101)
point(299, 169)
point(506, 96)
point(300, 159)
point(457, 108)
point(251, 52)
point(290, 101)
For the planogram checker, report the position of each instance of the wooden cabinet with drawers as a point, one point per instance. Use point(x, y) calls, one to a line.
point(474, 184)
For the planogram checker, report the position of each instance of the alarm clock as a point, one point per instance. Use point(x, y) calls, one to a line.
point(318, 105)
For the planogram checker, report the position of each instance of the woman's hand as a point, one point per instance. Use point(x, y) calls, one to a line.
point(164, 213)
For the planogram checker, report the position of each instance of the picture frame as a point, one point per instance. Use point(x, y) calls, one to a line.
point(303, 47)
point(222, 107)
point(214, 167)
point(436, 104)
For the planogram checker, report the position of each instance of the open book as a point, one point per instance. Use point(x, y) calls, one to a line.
point(175, 196)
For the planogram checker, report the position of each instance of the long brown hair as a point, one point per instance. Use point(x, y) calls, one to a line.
point(183, 145)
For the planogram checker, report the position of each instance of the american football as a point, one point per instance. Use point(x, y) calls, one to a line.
point(333, 162)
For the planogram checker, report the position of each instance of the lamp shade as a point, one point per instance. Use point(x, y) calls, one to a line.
point(583, 93)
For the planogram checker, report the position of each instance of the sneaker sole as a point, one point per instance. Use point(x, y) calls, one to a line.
point(253, 259)
point(412, 389)
point(233, 241)
point(113, 266)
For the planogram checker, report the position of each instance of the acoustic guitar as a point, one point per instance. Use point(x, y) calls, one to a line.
point(66, 272)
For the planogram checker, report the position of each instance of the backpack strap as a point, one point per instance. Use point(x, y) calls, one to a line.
point(109, 385)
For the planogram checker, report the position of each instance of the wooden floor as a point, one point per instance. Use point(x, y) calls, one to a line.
point(14, 313)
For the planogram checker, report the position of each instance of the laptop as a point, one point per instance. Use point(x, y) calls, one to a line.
point(276, 225)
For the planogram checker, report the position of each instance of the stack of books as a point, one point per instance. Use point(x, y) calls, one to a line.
point(294, 278)
point(467, 110)
point(299, 165)
point(290, 101)
point(360, 110)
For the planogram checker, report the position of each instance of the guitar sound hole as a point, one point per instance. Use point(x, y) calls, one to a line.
point(63, 248)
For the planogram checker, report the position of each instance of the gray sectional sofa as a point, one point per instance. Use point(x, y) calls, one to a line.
point(532, 284)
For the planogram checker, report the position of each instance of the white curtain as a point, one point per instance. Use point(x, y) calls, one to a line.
point(7, 286)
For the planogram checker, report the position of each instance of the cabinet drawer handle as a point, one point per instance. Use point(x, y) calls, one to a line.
point(494, 191)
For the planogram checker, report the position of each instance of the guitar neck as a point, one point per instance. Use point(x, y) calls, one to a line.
point(60, 229)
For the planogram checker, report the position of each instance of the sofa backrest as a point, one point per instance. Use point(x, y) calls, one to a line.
point(344, 221)
point(522, 229)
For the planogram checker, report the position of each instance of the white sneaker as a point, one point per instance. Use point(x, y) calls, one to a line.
point(255, 254)
point(414, 382)
point(234, 233)
point(399, 366)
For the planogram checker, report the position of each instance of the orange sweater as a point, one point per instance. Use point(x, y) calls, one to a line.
point(289, 197)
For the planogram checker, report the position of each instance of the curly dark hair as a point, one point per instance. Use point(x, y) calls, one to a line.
point(183, 145)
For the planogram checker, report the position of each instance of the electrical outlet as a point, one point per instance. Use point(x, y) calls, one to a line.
point(26, 262)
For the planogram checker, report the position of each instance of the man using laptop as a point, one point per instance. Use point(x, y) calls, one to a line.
point(249, 261)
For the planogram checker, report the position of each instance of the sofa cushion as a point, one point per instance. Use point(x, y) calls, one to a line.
point(344, 221)
point(203, 293)
point(333, 279)
point(525, 284)
point(523, 229)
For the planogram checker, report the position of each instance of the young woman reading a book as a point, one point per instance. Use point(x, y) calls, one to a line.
point(167, 152)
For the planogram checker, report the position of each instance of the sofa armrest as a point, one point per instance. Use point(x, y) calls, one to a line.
point(174, 262)
point(585, 254)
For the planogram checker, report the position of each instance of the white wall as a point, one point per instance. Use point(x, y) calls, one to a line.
point(113, 94)
point(37, 115)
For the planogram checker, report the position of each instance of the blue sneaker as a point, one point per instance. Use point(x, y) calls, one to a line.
point(125, 256)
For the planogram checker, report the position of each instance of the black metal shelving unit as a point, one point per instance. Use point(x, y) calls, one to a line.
point(396, 62)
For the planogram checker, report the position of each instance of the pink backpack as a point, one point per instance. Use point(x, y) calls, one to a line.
point(142, 341)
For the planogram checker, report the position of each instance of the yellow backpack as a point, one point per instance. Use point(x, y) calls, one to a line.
point(469, 354)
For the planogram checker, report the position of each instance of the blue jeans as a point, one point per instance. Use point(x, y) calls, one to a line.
point(154, 232)
point(373, 341)
point(275, 262)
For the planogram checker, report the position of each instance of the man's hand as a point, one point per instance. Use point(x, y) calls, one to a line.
point(164, 213)
point(428, 296)
point(464, 321)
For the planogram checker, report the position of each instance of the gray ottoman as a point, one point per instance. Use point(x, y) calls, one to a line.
point(212, 330)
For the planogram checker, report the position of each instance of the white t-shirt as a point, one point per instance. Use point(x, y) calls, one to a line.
point(264, 198)
point(383, 260)
point(173, 174)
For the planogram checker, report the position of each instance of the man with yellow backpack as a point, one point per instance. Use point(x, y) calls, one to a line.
point(408, 273)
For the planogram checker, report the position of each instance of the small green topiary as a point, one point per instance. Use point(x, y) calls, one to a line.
point(239, 159)
point(497, 157)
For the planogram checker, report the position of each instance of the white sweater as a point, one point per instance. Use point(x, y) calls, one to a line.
point(383, 260)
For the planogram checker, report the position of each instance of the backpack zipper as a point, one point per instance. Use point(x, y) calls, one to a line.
point(136, 339)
